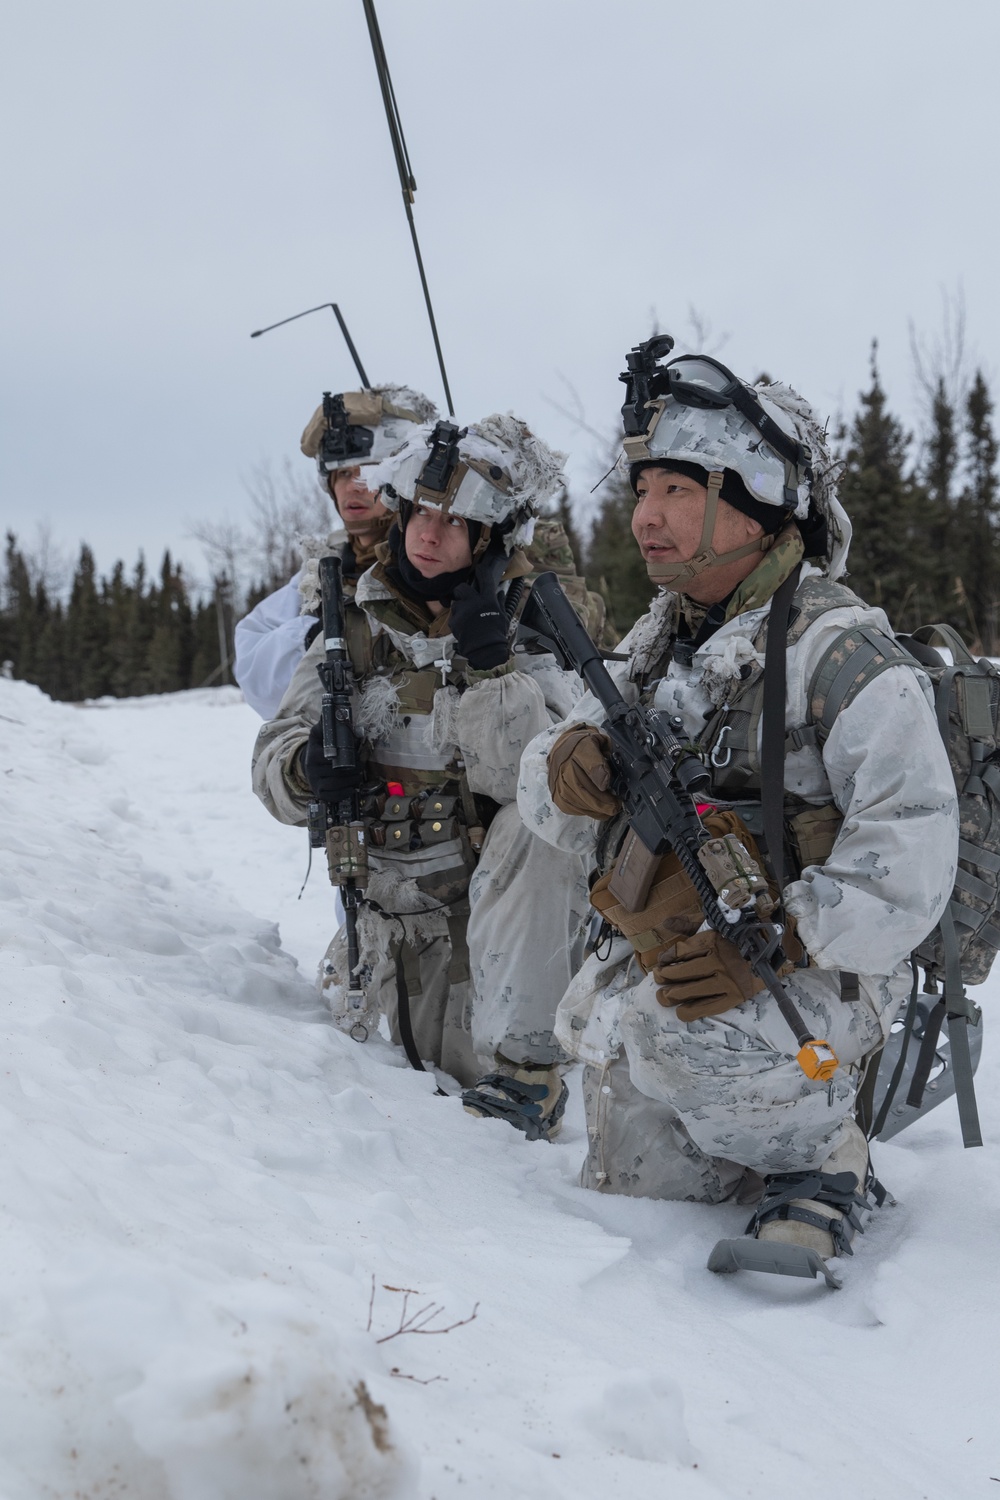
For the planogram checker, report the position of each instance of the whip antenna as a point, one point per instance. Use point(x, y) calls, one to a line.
point(407, 181)
point(343, 328)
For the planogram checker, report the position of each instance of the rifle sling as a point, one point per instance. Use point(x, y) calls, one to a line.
point(772, 742)
point(404, 1020)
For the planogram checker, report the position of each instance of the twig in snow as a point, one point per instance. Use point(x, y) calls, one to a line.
point(415, 1378)
point(417, 1321)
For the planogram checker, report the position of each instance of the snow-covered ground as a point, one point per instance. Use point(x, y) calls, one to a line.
point(211, 1203)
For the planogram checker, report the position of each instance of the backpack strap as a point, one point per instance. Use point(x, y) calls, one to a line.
point(960, 1012)
point(857, 656)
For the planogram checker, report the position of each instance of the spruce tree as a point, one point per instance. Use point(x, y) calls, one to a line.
point(18, 637)
point(945, 557)
point(87, 633)
point(979, 516)
point(890, 560)
point(615, 568)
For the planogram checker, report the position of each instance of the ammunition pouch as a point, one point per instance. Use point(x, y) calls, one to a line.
point(427, 838)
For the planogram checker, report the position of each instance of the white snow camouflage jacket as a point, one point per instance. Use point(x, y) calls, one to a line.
point(892, 868)
point(481, 720)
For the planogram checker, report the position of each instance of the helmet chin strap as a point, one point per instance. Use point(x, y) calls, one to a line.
point(706, 556)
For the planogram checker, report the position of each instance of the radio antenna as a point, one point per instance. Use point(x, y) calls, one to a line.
point(343, 328)
point(407, 181)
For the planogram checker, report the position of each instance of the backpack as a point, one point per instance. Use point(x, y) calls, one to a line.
point(963, 946)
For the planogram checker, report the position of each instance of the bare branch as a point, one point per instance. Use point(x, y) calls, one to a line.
point(415, 1378)
point(703, 340)
point(418, 1321)
point(942, 361)
point(578, 416)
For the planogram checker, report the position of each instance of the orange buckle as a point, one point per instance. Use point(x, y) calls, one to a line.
point(818, 1060)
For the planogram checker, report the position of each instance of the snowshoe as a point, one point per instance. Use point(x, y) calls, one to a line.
point(805, 1218)
point(530, 1099)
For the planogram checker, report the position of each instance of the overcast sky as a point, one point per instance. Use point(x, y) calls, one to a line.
point(176, 173)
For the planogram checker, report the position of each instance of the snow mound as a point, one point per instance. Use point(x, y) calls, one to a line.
point(153, 1343)
point(219, 1218)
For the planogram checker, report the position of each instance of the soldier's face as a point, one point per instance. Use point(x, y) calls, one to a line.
point(354, 500)
point(668, 519)
point(437, 543)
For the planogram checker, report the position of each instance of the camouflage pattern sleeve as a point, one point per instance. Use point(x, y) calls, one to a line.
point(275, 781)
point(495, 721)
point(538, 812)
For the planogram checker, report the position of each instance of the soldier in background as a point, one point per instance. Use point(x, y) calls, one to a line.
point(347, 433)
point(471, 926)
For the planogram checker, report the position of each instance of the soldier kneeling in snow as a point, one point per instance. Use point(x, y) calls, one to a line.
point(470, 925)
point(692, 1086)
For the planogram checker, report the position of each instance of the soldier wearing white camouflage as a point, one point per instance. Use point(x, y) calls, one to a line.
point(469, 924)
point(692, 1086)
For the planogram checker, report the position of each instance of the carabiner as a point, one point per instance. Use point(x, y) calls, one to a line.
point(717, 758)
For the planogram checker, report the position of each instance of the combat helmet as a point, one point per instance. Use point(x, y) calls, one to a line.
point(693, 410)
point(354, 428)
point(496, 473)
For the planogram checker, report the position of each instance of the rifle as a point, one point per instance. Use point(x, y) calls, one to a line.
point(658, 777)
point(337, 825)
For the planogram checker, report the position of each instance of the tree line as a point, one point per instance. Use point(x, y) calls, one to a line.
point(118, 636)
point(926, 514)
point(131, 633)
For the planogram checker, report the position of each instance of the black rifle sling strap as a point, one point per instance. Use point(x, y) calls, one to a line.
point(865, 1104)
point(772, 739)
point(404, 1020)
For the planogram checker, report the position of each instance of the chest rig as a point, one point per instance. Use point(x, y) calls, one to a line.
point(423, 824)
point(732, 737)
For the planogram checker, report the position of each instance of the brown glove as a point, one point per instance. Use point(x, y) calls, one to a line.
point(580, 773)
point(703, 976)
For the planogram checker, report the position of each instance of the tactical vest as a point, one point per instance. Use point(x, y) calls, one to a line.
point(433, 831)
point(731, 737)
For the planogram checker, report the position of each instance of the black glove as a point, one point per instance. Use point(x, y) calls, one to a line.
point(479, 624)
point(329, 783)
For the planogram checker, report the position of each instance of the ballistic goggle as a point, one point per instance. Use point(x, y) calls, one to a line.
point(343, 442)
point(696, 380)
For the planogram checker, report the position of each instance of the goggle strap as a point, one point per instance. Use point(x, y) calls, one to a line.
point(788, 447)
point(791, 486)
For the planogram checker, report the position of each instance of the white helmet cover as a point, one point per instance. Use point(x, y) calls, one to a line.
point(387, 413)
point(503, 475)
point(725, 439)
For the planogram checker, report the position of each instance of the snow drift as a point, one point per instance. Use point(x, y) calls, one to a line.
point(219, 1217)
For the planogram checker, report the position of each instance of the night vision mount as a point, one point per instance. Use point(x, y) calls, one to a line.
point(343, 442)
point(443, 457)
point(644, 381)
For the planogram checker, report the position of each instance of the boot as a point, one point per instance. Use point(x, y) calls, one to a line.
point(530, 1096)
point(822, 1221)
